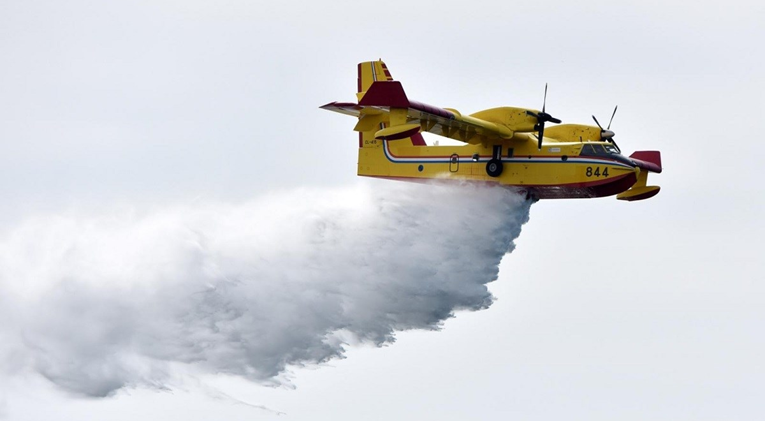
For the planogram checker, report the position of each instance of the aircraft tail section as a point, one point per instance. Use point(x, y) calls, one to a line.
point(391, 125)
point(382, 112)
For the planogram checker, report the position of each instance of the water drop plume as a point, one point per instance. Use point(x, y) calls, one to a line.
point(96, 303)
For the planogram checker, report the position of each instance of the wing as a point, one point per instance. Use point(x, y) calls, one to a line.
point(386, 102)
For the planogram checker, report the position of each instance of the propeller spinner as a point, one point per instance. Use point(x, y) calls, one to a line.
point(542, 118)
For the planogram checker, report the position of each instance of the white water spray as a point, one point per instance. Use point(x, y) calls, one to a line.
point(98, 303)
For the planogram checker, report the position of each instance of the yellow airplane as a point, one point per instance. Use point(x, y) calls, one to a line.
point(505, 145)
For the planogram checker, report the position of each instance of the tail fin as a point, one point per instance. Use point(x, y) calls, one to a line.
point(388, 94)
point(370, 72)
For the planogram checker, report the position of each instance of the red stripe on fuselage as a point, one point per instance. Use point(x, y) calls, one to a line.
point(598, 188)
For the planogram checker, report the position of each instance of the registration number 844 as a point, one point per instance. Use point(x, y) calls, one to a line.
point(596, 172)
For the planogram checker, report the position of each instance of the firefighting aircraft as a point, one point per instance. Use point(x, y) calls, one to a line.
point(506, 145)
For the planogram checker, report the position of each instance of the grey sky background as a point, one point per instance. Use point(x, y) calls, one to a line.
point(605, 309)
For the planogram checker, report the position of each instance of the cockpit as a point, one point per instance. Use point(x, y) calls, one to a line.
point(604, 150)
point(598, 149)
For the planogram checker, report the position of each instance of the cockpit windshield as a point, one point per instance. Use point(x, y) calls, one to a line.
point(593, 150)
point(607, 150)
point(597, 149)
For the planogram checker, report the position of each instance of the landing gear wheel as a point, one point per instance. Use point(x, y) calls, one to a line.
point(494, 167)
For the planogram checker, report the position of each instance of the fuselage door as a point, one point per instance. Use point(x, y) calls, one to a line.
point(454, 163)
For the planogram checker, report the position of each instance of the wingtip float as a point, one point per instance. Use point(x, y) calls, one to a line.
point(506, 145)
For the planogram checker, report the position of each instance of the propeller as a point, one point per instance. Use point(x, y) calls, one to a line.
point(542, 118)
point(606, 134)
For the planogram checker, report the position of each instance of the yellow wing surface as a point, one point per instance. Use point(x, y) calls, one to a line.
point(383, 103)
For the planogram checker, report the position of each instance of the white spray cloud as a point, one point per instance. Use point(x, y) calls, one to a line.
point(99, 303)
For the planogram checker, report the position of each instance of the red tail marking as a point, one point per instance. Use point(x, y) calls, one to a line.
point(389, 94)
point(387, 72)
point(358, 79)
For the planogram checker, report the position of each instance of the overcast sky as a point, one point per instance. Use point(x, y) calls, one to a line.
point(604, 310)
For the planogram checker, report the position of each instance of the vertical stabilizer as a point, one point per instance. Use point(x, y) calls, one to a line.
point(370, 72)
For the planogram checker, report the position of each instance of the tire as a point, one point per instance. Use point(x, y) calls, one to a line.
point(494, 167)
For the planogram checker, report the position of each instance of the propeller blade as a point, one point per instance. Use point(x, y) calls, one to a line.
point(541, 136)
point(544, 102)
point(542, 117)
point(612, 118)
point(596, 122)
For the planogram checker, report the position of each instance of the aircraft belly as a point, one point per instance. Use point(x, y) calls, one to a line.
point(609, 187)
point(571, 180)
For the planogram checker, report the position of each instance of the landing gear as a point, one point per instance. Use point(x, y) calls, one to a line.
point(494, 167)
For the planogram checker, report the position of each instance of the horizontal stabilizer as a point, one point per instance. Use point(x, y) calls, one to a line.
point(347, 108)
